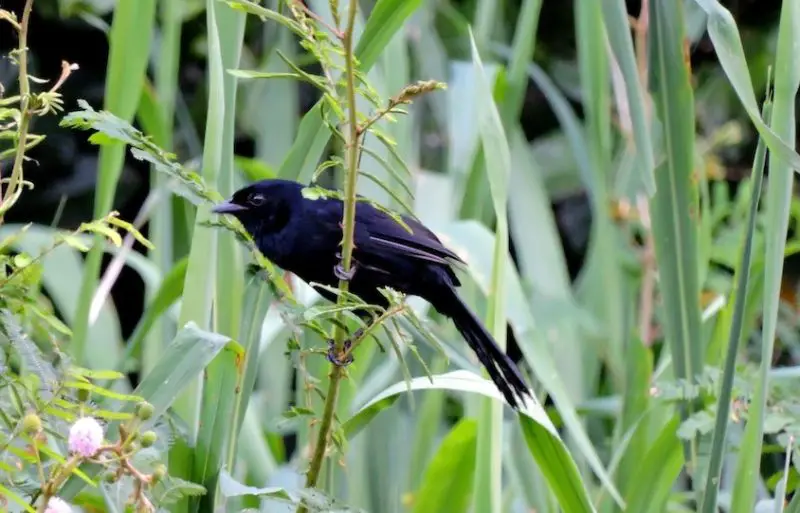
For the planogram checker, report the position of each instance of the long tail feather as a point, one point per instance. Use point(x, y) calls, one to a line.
point(501, 368)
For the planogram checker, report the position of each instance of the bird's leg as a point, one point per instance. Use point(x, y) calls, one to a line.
point(345, 357)
point(336, 359)
point(339, 271)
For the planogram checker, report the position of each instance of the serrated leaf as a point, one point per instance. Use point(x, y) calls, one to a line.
point(102, 391)
point(170, 490)
point(230, 487)
point(95, 374)
point(314, 500)
point(266, 14)
point(128, 227)
point(73, 241)
point(700, 422)
point(142, 148)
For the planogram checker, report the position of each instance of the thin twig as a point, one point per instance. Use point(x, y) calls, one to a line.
point(389, 312)
point(336, 32)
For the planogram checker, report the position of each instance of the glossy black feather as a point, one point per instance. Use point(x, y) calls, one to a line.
point(303, 236)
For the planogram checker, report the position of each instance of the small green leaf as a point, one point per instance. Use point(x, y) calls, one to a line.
point(102, 391)
point(230, 487)
point(448, 480)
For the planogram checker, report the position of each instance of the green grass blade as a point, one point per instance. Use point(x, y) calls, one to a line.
point(728, 46)
point(303, 157)
point(256, 303)
point(168, 293)
point(230, 273)
point(448, 481)
point(487, 13)
point(615, 14)
point(591, 144)
point(674, 208)
point(221, 391)
point(658, 469)
point(526, 477)
point(498, 164)
point(474, 240)
point(386, 18)
point(129, 44)
point(543, 440)
point(201, 268)
point(429, 419)
point(778, 201)
point(794, 504)
point(709, 504)
point(635, 417)
point(522, 50)
point(167, 67)
point(565, 483)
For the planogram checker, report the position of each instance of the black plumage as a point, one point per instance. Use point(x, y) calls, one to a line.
point(303, 236)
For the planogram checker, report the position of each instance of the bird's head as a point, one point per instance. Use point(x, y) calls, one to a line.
point(263, 207)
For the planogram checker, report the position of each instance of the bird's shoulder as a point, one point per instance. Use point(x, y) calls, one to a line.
point(380, 229)
point(376, 230)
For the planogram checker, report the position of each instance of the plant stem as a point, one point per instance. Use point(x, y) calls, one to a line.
point(25, 115)
point(348, 229)
point(351, 176)
point(334, 377)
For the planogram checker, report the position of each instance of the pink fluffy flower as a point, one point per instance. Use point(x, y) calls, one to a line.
point(56, 505)
point(85, 437)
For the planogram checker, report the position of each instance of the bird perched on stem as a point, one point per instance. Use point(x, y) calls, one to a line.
point(303, 235)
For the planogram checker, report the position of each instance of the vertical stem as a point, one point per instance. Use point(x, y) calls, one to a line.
point(166, 78)
point(348, 229)
point(351, 176)
point(24, 94)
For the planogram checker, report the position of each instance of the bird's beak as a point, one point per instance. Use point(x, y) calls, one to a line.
point(227, 207)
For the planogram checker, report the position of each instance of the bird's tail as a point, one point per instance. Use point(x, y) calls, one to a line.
point(501, 368)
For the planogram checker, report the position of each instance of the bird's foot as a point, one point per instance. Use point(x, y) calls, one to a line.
point(344, 275)
point(339, 271)
point(337, 359)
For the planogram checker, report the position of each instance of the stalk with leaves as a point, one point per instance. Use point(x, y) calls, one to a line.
point(20, 109)
point(348, 225)
point(340, 95)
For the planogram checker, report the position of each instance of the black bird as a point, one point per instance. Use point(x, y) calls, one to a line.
point(303, 236)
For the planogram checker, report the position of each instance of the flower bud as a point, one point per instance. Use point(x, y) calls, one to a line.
point(84, 395)
point(31, 423)
point(148, 438)
point(144, 410)
point(159, 472)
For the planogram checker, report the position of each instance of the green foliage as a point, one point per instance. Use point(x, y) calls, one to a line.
point(659, 358)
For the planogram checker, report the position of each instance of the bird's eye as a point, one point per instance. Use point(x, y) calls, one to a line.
point(256, 199)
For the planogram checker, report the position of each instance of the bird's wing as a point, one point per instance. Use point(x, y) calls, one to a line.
point(384, 231)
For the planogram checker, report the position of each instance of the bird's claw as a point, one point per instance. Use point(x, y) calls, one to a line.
point(335, 359)
point(340, 273)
